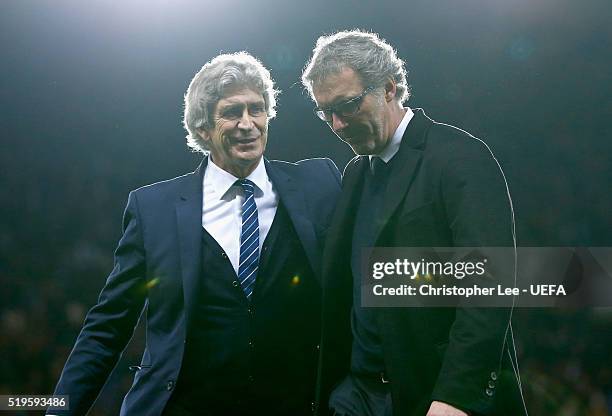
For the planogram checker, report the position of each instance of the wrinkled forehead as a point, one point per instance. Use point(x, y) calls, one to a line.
point(226, 90)
point(239, 94)
point(337, 87)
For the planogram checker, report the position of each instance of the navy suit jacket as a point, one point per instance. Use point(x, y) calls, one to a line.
point(156, 269)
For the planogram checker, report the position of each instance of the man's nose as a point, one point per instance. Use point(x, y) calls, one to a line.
point(338, 123)
point(245, 122)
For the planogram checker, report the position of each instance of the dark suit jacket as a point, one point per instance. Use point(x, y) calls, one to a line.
point(157, 265)
point(448, 191)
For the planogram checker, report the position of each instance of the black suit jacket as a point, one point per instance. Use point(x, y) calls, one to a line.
point(447, 191)
point(156, 268)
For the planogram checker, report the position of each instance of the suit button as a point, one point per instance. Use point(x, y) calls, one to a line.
point(491, 384)
point(318, 347)
point(223, 254)
point(493, 375)
point(251, 378)
point(170, 385)
point(235, 283)
point(251, 311)
point(489, 392)
point(251, 344)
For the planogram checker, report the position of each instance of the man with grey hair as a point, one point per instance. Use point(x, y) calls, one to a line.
point(224, 262)
point(413, 183)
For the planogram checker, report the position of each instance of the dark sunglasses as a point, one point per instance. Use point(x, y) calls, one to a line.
point(347, 108)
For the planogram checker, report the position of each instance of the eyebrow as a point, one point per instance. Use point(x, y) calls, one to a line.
point(339, 100)
point(240, 104)
point(230, 103)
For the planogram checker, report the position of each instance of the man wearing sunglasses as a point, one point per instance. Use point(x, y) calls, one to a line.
point(413, 183)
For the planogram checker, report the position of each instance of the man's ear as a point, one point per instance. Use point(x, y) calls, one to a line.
point(390, 90)
point(203, 133)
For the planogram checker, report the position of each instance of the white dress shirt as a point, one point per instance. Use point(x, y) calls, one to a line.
point(394, 144)
point(222, 207)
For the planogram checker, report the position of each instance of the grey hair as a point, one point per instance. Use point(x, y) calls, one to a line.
point(227, 71)
point(372, 58)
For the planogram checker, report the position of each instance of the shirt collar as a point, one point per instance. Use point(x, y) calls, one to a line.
point(222, 181)
point(394, 144)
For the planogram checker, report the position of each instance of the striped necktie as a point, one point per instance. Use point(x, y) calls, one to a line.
point(249, 239)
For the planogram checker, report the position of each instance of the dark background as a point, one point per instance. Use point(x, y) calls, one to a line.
point(91, 100)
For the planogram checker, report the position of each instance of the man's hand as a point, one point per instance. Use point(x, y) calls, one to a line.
point(443, 409)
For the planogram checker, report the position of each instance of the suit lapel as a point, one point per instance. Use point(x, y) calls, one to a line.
point(404, 168)
point(295, 204)
point(338, 244)
point(189, 224)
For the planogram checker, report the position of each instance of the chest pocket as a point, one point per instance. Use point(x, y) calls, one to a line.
point(419, 226)
point(419, 213)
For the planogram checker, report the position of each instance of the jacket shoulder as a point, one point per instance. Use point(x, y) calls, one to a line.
point(320, 168)
point(168, 188)
point(311, 163)
point(451, 142)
